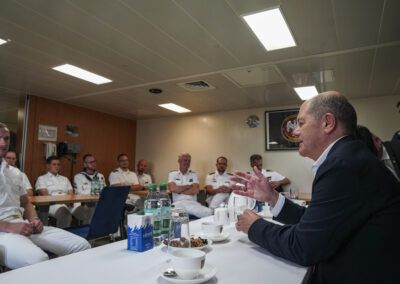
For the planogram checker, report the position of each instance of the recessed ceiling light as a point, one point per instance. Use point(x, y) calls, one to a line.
point(3, 41)
point(307, 92)
point(271, 29)
point(175, 108)
point(82, 74)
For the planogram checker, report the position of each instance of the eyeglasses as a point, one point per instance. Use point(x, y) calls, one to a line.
point(12, 159)
point(125, 160)
point(91, 162)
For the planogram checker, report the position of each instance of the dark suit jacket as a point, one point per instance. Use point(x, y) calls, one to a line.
point(393, 149)
point(351, 229)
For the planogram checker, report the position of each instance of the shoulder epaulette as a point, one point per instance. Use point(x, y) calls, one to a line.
point(211, 173)
point(115, 171)
point(172, 171)
point(229, 174)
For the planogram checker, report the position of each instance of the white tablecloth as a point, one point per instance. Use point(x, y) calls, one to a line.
point(237, 261)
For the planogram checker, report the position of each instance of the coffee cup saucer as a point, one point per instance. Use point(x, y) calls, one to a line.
point(205, 274)
point(219, 238)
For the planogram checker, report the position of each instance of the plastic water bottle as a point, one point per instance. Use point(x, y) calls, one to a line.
point(96, 186)
point(152, 205)
point(93, 186)
point(165, 206)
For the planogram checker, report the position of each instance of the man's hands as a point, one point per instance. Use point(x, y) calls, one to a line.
point(223, 189)
point(25, 229)
point(37, 226)
point(246, 220)
point(20, 228)
point(256, 187)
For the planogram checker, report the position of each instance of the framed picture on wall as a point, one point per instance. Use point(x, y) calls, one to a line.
point(47, 133)
point(279, 127)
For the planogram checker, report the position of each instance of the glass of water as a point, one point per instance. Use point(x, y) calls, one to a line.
point(239, 205)
point(179, 233)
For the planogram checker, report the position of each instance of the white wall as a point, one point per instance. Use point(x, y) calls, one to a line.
point(207, 136)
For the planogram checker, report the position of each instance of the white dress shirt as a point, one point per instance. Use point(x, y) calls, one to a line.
point(82, 185)
point(144, 179)
point(55, 184)
point(119, 176)
point(11, 189)
point(178, 178)
point(388, 162)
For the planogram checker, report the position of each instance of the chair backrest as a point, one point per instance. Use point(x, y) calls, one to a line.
point(108, 212)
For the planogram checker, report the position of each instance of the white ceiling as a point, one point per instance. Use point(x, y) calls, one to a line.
point(147, 44)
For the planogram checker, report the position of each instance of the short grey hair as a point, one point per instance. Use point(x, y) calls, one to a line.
point(336, 104)
point(183, 154)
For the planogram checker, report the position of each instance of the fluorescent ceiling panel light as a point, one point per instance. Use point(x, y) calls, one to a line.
point(82, 74)
point(2, 41)
point(271, 29)
point(175, 108)
point(306, 93)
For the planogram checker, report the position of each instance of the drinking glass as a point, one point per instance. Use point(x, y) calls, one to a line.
point(293, 193)
point(239, 205)
point(179, 233)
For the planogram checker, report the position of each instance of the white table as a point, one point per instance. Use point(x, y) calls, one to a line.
point(237, 261)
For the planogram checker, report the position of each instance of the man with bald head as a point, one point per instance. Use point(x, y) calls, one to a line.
point(143, 178)
point(349, 232)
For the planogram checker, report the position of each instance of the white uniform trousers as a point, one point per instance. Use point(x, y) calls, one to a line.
point(194, 208)
point(215, 200)
point(18, 251)
point(63, 214)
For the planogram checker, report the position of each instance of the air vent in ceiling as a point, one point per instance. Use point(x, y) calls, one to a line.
point(255, 76)
point(196, 86)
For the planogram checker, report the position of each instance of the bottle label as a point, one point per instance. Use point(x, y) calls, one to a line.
point(157, 220)
point(165, 216)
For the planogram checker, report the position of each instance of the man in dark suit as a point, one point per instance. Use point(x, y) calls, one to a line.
point(349, 233)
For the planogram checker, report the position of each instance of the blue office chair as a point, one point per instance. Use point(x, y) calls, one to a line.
point(107, 215)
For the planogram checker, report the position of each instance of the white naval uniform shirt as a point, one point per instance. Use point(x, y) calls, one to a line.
point(273, 175)
point(82, 185)
point(25, 182)
point(216, 180)
point(118, 176)
point(11, 189)
point(55, 184)
point(144, 179)
point(183, 179)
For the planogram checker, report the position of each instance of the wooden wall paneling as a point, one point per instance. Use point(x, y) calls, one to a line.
point(103, 135)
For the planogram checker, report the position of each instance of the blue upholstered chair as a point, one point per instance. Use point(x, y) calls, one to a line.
point(107, 215)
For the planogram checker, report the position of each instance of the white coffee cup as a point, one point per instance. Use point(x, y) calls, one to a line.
point(221, 216)
point(211, 229)
point(187, 263)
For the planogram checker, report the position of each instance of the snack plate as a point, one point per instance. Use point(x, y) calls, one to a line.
point(209, 243)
